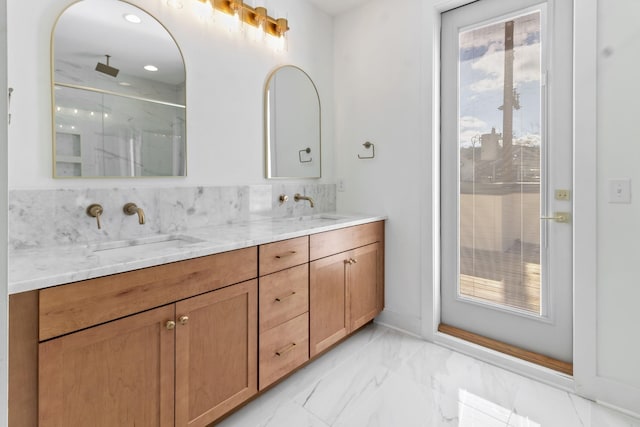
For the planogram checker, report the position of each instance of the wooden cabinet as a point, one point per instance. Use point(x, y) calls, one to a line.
point(117, 374)
point(185, 364)
point(183, 344)
point(216, 353)
point(284, 307)
point(346, 290)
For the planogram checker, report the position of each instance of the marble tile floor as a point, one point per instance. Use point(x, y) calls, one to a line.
point(383, 378)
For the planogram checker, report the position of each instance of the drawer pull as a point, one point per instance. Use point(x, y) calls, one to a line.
point(280, 299)
point(286, 255)
point(170, 324)
point(287, 349)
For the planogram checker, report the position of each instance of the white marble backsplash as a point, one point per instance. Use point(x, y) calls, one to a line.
point(46, 218)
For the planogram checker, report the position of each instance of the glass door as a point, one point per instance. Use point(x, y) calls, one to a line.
point(506, 173)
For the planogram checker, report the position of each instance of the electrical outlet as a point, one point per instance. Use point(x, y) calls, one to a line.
point(620, 190)
point(341, 187)
point(563, 195)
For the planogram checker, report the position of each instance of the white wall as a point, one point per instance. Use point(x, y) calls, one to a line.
point(226, 75)
point(4, 318)
point(381, 96)
point(618, 289)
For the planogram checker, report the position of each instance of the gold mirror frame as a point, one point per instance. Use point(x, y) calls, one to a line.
point(303, 153)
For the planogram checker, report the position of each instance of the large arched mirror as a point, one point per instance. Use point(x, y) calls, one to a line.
point(292, 125)
point(119, 102)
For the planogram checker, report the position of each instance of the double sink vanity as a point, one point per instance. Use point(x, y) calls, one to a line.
point(178, 330)
point(160, 328)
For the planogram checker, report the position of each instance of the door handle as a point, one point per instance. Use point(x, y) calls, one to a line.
point(562, 217)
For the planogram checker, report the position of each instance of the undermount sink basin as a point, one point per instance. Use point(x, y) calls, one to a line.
point(165, 241)
point(316, 218)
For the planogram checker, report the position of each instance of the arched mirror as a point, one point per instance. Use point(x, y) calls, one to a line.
point(119, 101)
point(292, 125)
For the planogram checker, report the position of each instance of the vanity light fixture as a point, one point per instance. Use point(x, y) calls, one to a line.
point(254, 16)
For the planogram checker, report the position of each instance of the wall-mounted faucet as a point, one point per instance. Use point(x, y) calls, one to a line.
point(94, 211)
point(132, 209)
point(297, 197)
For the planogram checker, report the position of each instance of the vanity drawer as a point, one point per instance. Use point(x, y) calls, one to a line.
point(332, 242)
point(283, 296)
point(284, 254)
point(68, 308)
point(283, 348)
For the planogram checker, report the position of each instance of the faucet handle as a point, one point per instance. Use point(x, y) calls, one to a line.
point(94, 211)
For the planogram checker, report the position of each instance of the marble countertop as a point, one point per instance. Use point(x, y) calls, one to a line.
point(31, 269)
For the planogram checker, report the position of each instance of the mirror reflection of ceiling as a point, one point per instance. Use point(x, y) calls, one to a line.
point(82, 40)
point(113, 117)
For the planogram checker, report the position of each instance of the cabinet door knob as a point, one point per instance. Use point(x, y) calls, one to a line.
point(170, 324)
point(183, 320)
point(354, 261)
point(347, 261)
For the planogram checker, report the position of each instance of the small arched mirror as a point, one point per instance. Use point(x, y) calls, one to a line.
point(292, 125)
point(118, 94)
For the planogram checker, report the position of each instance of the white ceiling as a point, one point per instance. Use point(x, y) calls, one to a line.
point(336, 7)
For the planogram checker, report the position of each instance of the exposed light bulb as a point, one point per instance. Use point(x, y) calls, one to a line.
point(203, 9)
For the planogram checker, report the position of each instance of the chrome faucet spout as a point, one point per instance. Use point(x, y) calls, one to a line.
point(297, 197)
point(133, 209)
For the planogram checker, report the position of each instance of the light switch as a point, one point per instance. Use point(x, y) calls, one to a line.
point(620, 190)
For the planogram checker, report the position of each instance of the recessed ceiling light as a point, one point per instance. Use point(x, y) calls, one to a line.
point(125, 84)
point(130, 17)
point(151, 68)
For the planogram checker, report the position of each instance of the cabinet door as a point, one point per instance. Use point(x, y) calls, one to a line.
point(328, 319)
point(216, 353)
point(364, 285)
point(117, 374)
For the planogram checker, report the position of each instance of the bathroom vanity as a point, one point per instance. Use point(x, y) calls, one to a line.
point(183, 343)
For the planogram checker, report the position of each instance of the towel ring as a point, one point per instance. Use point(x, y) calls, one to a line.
point(368, 145)
point(306, 150)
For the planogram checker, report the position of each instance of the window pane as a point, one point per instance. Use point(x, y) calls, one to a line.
point(500, 140)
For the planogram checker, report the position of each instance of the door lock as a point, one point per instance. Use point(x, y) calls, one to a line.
point(562, 217)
